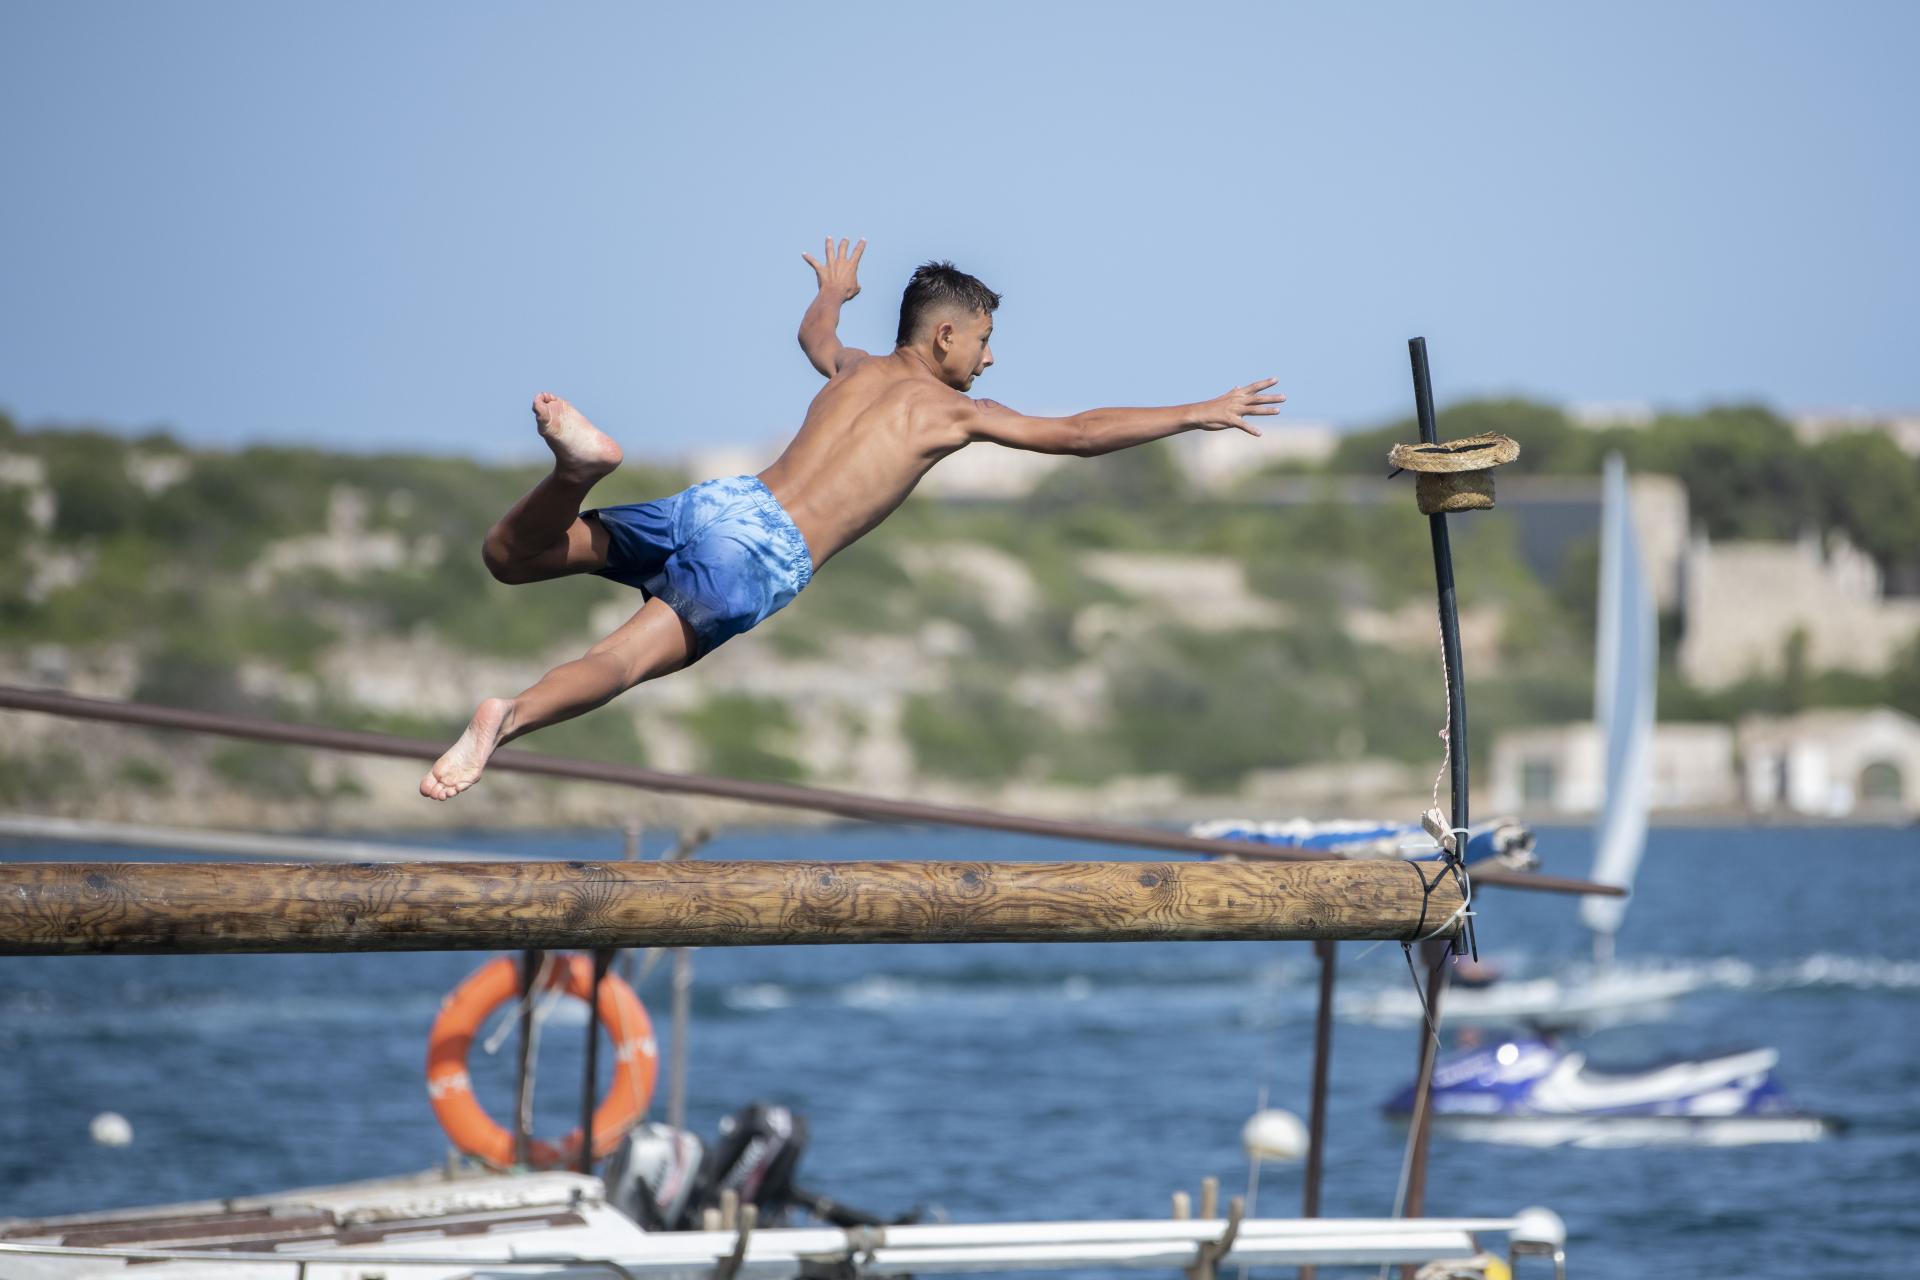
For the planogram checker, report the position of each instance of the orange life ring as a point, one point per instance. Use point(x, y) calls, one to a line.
point(635, 1060)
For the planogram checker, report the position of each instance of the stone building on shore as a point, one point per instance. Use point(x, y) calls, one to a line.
point(1816, 764)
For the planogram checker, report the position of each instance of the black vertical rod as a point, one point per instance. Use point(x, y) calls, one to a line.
point(590, 1091)
point(1436, 955)
point(1449, 605)
point(523, 1088)
point(1329, 952)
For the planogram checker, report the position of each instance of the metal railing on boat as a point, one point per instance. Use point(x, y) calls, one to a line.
point(955, 1249)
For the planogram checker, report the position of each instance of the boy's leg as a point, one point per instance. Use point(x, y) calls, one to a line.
point(542, 536)
point(652, 643)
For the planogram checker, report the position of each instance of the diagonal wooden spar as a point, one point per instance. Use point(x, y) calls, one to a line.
point(844, 804)
point(154, 908)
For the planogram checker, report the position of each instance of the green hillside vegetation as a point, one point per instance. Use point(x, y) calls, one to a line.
point(171, 568)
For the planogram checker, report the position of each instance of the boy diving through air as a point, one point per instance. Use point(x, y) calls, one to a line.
point(721, 557)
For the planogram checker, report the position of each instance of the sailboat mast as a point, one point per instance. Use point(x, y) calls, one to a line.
point(1626, 656)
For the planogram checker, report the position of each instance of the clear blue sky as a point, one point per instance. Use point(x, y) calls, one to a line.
point(369, 225)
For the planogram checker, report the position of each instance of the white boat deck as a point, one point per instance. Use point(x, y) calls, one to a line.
point(553, 1225)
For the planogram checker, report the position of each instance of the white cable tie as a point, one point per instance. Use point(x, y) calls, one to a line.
point(1459, 912)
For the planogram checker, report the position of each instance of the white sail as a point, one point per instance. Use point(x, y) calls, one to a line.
point(1626, 668)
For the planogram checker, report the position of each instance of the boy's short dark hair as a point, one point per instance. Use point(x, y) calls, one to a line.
point(938, 284)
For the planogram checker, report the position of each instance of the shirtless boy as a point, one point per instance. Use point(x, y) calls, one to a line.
point(721, 557)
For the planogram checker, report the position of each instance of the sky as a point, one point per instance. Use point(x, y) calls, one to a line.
point(376, 226)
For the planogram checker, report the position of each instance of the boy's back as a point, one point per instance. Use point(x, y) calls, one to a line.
point(872, 432)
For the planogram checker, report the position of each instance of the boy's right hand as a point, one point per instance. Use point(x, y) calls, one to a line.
point(839, 275)
point(1232, 410)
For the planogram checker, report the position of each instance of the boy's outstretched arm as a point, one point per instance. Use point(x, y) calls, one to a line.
point(1104, 430)
point(839, 283)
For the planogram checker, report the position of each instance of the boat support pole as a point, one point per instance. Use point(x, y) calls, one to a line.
point(590, 1091)
point(1329, 953)
point(530, 962)
point(1436, 954)
point(688, 847)
point(682, 1021)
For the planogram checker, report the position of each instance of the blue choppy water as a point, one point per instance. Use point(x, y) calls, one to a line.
point(1033, 1081)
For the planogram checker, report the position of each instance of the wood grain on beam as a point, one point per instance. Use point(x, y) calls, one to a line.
point(94, 908)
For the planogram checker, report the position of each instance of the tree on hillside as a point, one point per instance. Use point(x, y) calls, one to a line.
point(1745, 473)
point(1871, 490)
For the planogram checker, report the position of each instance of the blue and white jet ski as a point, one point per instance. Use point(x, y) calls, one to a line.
point(1533, 1092)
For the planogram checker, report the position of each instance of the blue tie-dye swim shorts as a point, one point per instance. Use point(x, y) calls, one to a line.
point(723, 554)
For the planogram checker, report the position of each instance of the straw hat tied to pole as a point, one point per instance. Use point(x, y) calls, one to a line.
point(1454, 475)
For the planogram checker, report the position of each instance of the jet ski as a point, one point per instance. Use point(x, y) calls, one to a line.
point(1531, 1091)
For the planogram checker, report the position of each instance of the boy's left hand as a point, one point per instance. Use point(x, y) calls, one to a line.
point(839, 275)
point(1232, 410)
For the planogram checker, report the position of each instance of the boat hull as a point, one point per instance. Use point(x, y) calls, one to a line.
point(1637, 1131)
point(1536, 1093)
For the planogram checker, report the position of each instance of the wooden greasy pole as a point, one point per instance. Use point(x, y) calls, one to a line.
point(67, 908)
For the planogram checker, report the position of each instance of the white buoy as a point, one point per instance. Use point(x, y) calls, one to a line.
point(110, 1129)
point(1539, 1227)
point(1274, 1135)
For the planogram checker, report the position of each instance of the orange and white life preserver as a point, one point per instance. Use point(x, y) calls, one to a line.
point(636, 1060)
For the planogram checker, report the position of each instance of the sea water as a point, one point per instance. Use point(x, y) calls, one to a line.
point(1035, 1081)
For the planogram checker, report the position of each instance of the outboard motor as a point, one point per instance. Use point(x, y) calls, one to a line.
point(663, 1179)
point(755, 1155)
point(653, 1177)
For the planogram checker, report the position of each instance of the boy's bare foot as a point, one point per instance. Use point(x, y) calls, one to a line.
point(580, 449)
point(460, 768)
